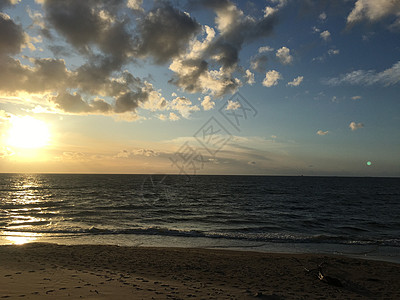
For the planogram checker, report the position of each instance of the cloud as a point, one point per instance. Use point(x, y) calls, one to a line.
point(79, 22)
point(73, 103)
point(129, 101)
point(92, 27)
point(106, 37)
point(6, 3)
point(232, 105)
point(192, 72)
point(135, 4)
point(271, 78)
point(137, 152)
point(249, 77)
point(283, 54)
point(315, 29)
point(207, 103)
point(375, 10)
point(5, 152)
point(322, 16)
point(12, 36)
point(259, 63)
point(165, 33)
point(162, 117)
point(36, 17)
point(265, 49)
point(279, 3)
point(173, 116)
point(333, 52)
point(320, 132)
point(235, 29)
point(325, 35)
point(354, 126)
point(356, 97)
point(183, 105)
point(387, 77)
point(330, 52)
point(296, 81)
point(45, 75)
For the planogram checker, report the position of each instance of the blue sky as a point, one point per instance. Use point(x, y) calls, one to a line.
point(130, 87)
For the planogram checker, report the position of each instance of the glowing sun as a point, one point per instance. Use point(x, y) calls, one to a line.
point(28, 132)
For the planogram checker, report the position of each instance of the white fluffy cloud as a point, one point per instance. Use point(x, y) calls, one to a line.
point(207, 103)
point(375, 10)
point(296, 81)
point(333, 52)
point(135, 4)
point(232, 105)
point(354, 126)
point(173, 116)
point(183, 105)
point(265, 49)
point(325, 35)
point(321, 132)
point(249, 77)
point(283, 54)
point(271, 78)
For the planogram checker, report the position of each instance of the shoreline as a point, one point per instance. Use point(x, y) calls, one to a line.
point(363, 251)
point(40, 270)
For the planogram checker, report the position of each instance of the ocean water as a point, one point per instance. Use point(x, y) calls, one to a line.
point(359, 216)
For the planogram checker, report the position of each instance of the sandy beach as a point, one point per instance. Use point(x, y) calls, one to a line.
point(40, 270)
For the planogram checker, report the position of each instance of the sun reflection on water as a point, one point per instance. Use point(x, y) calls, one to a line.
point(21, 202)
point(20, 238)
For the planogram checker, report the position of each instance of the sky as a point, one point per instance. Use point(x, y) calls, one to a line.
point(268, 87)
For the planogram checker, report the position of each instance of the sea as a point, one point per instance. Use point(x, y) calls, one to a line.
point(291, 214)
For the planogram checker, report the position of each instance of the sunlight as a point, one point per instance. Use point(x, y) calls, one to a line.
point(20, 238)
point(29, 133)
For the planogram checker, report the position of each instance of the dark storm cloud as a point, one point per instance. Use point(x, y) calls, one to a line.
point(46, 75)
point(165, 32)
point(130, 101)
point(190, 80)
point(81, 22)
point(51, 75)
point(11, 36)
point(60, 51)
point(73, 103)
point(76, 20)
point(88, 23)
point(5, 3)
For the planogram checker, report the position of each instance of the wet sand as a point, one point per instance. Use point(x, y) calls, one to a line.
point(40, 271)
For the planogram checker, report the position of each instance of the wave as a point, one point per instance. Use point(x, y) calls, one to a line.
point(254, 237)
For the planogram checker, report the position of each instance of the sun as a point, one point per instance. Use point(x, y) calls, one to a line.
point(28, 133)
